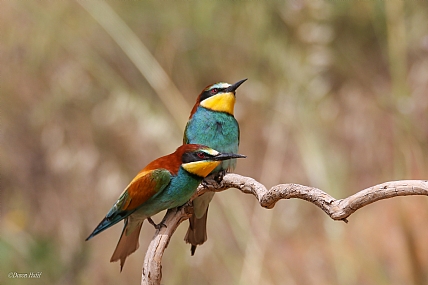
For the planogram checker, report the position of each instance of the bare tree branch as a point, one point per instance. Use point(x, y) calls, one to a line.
point(337, 209)
point(152, 266)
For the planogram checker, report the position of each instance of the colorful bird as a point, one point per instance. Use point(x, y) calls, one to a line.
point(165, 183)
point(211, 123)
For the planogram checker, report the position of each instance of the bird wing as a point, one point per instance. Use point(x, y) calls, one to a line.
point(185, 139)
point(147, 184)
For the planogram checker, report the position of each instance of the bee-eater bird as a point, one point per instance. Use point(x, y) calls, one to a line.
point(211, 123)
point(165, 183)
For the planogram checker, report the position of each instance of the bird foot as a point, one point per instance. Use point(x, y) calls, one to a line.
point(157, 226)
point(188, 208)
point(209, 181)
point(219, 177)
point(205, 183)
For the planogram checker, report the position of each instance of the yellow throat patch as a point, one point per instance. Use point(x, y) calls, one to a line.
point(223, 102)
point(201, 168)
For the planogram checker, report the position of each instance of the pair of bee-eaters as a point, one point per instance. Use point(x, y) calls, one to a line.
point(211, 141)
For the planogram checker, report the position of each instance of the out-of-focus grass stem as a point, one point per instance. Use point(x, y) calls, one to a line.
point(138, 53)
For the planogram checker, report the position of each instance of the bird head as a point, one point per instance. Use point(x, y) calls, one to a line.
point(218, 97)
point(200, 160)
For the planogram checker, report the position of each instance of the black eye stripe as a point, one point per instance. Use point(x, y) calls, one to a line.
point(206, 94)
point(194, 156)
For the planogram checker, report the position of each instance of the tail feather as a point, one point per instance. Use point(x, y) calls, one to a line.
point(128, 242)
point(106, 223)
point(197, 231)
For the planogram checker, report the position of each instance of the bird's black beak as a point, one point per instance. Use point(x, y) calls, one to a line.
point(235, 86)
point(226, 156)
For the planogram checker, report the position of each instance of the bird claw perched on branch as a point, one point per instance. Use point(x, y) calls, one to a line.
point(337, 209)
point(157, 226)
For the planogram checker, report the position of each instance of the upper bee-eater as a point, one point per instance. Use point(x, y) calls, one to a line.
point(212, 123)
point(165, 183)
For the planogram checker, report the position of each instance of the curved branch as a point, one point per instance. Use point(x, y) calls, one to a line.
point(152, 266)
point(337, 209)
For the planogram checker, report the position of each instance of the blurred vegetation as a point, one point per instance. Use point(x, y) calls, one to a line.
point(337, 98)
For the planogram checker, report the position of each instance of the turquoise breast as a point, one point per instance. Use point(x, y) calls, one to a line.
point(217, 130)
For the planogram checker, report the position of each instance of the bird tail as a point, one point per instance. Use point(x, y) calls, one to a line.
point(197, 231)
point(105, 224)
point(128, 242)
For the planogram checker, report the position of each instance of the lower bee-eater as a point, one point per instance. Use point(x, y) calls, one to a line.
point(165, 183)
point(212, 123)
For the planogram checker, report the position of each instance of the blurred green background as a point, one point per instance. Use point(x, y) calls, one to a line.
point(337, 98)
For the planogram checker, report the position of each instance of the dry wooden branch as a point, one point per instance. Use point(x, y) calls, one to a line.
point(337, 209)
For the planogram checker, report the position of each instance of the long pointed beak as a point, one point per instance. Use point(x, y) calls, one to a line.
point(226, 156)
point(235, 86)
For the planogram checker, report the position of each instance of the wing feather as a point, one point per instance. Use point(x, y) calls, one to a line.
point(147, 184)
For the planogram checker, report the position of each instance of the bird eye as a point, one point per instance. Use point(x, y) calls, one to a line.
point(214, 91)
point(200, 154)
